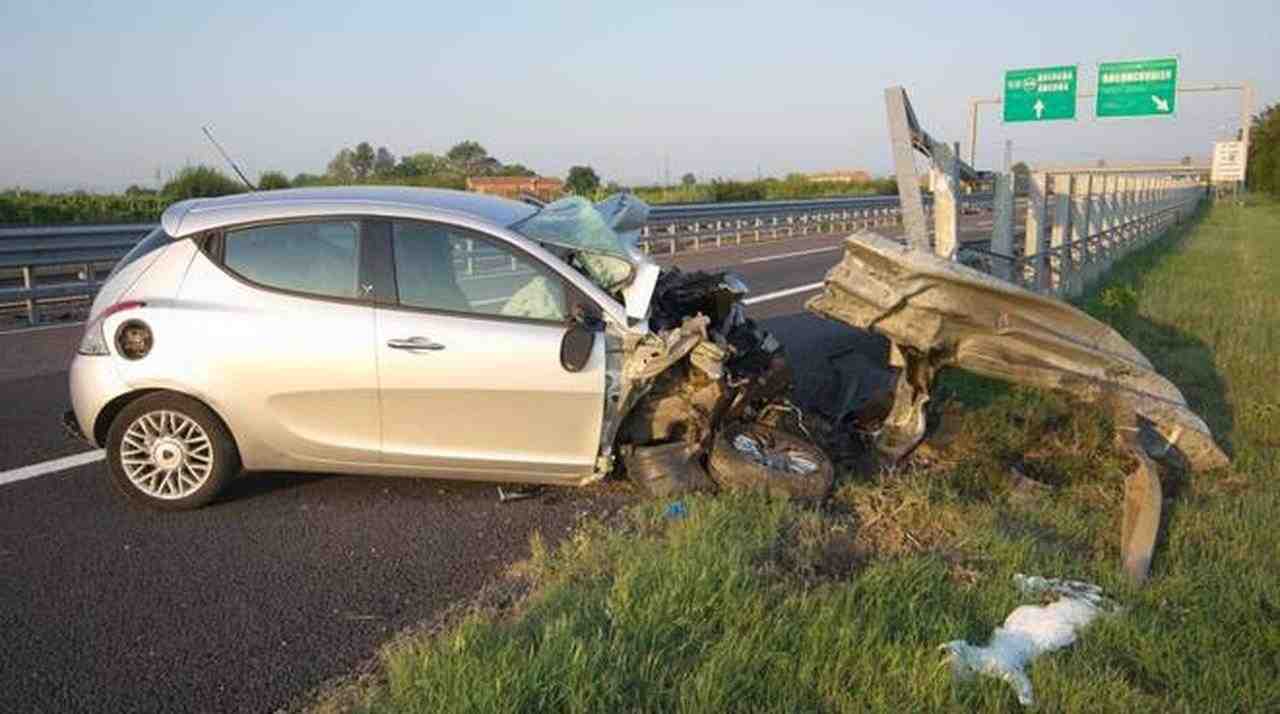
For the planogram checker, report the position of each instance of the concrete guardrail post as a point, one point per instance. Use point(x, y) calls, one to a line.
point(1152, 207)
point(1111, 240)
point(1130, 211)
point(1061, 258)
point(1097, 227)
point(1036, 243)
point(1079, 240)
point(1002, 227)
point(29, 283)
point(946, 216)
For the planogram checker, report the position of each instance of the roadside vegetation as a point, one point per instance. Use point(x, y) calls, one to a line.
point(794, 186)
point(738, 603)
point(1264, 151)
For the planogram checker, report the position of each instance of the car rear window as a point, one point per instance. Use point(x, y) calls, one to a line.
point(154, 240)
point(313, 257)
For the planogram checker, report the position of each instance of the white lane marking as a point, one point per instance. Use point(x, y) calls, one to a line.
point(782, 293)
point(793, 254)
point(55, 465)
point(41, 328)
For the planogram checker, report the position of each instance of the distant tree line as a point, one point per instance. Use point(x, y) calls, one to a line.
point(364, 164)
point(359, 164)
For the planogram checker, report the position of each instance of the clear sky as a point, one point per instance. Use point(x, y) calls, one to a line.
point(98, 95)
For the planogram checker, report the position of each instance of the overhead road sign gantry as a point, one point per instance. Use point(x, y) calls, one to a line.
point(1040, 94)
point(1137, 88)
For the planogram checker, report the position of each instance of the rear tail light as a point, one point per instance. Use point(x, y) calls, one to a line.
point(94, 341)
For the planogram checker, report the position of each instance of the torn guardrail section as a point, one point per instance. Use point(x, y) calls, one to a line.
point(938, 313)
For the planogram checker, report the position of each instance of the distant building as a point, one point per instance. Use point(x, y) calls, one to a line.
point(840, 177)
point(546, 189)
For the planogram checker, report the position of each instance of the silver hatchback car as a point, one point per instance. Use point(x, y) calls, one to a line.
point(399, 331)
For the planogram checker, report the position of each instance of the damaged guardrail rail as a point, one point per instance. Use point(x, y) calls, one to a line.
point(937, 313)
point(60, 263)
point(1009, 323)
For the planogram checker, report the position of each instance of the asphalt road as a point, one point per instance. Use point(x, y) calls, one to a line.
point(287, 581)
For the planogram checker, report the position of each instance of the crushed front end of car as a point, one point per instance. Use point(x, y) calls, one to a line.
point(690, 377)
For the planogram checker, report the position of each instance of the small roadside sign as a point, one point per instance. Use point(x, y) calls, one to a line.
point(1228, 161)
point(1137, 88)
point(1040, 94)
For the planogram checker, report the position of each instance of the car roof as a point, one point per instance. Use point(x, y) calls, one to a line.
point(202, 214)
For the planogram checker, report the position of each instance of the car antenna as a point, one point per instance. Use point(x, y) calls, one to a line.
point(218, 146)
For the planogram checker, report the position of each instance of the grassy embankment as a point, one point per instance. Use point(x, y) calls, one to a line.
point(749, 605)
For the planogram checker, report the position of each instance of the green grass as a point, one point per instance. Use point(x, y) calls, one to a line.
point(753, 605)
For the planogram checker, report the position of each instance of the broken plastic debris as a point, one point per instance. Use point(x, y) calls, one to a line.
point(789, 461)
point(676, 511)
point(1029, 631)
point(506, 495)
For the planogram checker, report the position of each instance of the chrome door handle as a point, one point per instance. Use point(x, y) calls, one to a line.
point(414, 344)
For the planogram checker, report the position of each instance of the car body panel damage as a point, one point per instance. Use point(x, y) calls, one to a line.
point(702, 366)
point(937, 313)
point(681, 360)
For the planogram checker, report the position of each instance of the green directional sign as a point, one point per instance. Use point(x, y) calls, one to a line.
point(1040, 94)
point(1138, 88)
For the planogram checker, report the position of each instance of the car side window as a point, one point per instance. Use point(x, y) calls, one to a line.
point(314, 257)
point(441, 267)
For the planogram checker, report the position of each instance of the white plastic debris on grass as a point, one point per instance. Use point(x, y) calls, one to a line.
point(1029, 631)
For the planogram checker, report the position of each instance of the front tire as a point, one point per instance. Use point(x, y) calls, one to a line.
point(170, 452)
point(752, 457)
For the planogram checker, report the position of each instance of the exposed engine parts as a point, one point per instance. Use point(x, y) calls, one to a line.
point(672, 436)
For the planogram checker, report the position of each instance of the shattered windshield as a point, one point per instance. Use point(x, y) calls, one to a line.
point(573, 223)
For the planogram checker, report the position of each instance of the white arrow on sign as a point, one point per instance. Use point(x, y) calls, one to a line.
point(1161, 105)
point(1039, 107)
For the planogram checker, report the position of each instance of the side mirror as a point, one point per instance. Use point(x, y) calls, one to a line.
point(575, 347)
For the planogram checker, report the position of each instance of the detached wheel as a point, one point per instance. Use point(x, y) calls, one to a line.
point(760, 458)
point(169, 452)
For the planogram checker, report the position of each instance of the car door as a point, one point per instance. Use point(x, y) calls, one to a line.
point(469, 359)
point(286, 335)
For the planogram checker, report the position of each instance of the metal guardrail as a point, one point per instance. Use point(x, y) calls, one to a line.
point(77, 255)
point(1079, 224)
point(1078, 221)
